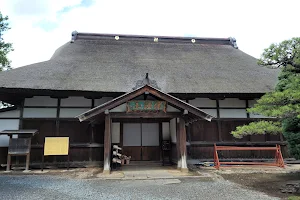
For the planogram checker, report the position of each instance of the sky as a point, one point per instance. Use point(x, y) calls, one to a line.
point(39, 27)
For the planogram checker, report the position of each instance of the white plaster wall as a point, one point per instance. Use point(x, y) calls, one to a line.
point(203, 102)
point(39, 112)
point(102, 100)
point(71, 112)
point(232, 102)
point(173, 130)
point(166, 131)
point(131, 134)
point(76, 101)
point(120, 108)
point(233, 113)
point(11, 113)
point(40, 101)
point(212, 112)
point(150, 134)
point(7, 124)
point(172, 109)
point(115, 132)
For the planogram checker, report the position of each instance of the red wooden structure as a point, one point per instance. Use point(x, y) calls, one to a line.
point(278, 156)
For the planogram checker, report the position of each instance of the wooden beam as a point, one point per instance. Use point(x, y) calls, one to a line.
point(92, 140)
point(207, 144)
point(178, 144)
point(188, 128)
point(57, 122)
point(107, 144)
point(146, 89)
point(142, 120)
point(218, 122)
point(183, 152)
point(181, 104)
point(247, 106)
point(112, 104)
point(73, 145)
point(21, 114)
point(125, 115)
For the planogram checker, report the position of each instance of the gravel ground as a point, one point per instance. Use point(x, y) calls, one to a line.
point(53, 187)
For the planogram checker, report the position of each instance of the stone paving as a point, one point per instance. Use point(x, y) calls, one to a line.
point(146, 172)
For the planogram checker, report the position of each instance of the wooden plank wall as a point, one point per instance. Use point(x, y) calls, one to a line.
point(87, 142)
point(203, 134)
point(84, 147)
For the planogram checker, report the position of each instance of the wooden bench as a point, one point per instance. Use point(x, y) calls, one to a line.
point(278, 156)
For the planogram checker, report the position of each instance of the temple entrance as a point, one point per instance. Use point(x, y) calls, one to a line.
point(141, 141)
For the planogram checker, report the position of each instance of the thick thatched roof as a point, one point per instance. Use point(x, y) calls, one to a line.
point(105, 63)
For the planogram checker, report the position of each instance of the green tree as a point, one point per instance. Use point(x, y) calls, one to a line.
point(5, 47)
point(283, 103)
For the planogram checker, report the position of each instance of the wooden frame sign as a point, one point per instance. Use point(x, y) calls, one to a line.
point(56, 146)
point(146, 106)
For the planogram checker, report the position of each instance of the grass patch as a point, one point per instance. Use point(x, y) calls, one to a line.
point(294, 198)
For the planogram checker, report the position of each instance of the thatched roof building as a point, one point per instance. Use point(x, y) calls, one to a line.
point(138, 92)
point(110, 63)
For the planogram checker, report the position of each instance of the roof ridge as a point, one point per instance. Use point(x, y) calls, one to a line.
point(172, 39)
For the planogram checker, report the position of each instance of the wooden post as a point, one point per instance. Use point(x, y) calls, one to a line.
point(8, 156)
point(107, 144)
point(218, 121)
point(92, 136)
point(183, 154)
point(8, 163)
point(27, 162)
point(92, 140)
point(178, 144)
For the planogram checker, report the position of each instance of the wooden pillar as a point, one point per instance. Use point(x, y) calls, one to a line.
point(92, 134)
point(107, 144)
point(92, 140)
point(183, 152)
point(218, 121)
point(57, 124)
point(8, 157)
point(178, 144)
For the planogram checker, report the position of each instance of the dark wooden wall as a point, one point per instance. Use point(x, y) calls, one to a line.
point(86, 142)
point(204, 134)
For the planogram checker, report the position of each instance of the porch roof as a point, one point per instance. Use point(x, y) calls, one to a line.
point(193, 113)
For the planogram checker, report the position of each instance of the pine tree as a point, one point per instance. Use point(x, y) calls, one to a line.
point(283, 104)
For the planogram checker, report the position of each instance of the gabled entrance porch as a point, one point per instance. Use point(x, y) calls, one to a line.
point(184, 115)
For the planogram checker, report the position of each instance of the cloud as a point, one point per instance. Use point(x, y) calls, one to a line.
point(83, 3)
point(40, 29)
point(37, 7)
point(46, 25)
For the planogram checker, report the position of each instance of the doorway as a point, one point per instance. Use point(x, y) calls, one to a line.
point(141, 141)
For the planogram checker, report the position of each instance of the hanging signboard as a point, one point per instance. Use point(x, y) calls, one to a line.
point(56, 146)
point(144, 106)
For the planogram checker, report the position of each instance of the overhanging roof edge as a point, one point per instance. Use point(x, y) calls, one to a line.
point(121, 99)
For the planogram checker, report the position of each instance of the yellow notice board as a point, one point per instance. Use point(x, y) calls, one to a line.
point(56, 146)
